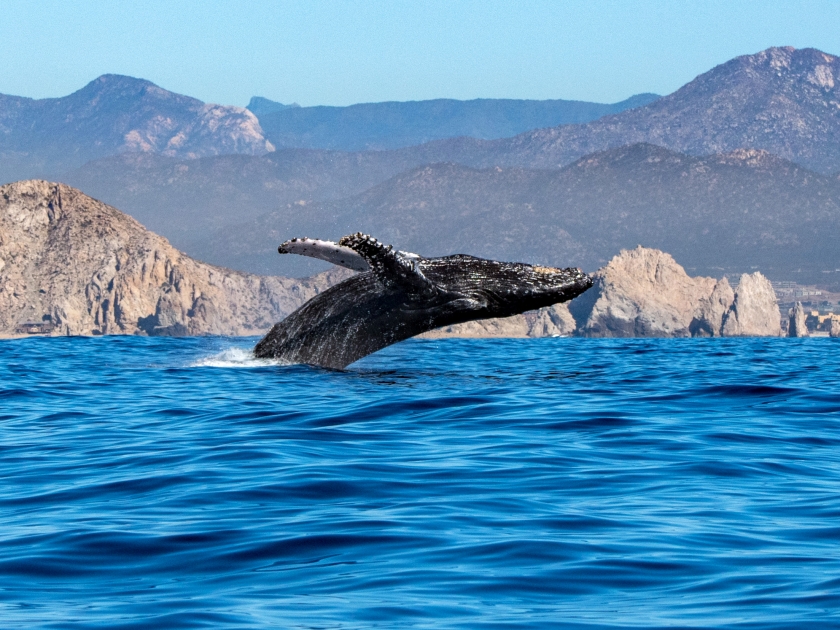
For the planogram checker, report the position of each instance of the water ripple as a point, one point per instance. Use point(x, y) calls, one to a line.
point(569, 483)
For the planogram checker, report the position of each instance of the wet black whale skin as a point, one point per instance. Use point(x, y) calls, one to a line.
point(400, 298)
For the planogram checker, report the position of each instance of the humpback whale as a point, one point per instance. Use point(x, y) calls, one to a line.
point(398, 295)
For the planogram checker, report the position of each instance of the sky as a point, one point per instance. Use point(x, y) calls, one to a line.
point(331, 52)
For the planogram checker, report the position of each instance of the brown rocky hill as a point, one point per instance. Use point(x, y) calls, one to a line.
point(781, 100)
point(115, 114)
point(729, 213)
point(84, 268)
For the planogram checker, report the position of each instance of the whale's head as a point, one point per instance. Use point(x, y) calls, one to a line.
point(503, 288)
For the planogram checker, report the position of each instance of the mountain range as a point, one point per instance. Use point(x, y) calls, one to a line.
point(393, 125)
point(726, 213)
point(736, 169)
point(117, 114)
point(781, 100)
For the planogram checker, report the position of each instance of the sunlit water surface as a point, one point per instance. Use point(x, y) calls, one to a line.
point(178, 483)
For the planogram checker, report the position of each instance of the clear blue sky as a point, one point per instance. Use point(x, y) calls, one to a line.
point(341, 52)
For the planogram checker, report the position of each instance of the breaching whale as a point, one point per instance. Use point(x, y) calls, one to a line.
point(399, 295)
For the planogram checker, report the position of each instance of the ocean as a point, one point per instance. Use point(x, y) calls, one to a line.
point(522, 483)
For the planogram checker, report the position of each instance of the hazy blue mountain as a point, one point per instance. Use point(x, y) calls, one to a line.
point(260, 106)
point(186, 200)
point(726, 213)
point(391, 125)
point(116, 114)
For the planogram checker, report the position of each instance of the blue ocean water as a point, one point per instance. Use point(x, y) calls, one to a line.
point(560, 483)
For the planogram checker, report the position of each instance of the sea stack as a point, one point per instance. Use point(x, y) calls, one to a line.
point(797, 327)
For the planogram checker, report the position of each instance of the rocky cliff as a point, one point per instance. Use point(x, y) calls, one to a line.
point(84, 268)
point(754, 311)
point(645, 293)
point(78, 266)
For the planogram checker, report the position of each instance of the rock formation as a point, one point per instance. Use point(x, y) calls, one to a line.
point(754, 311)
point(78, 266)
point(554, 321)
point(645, 293)
point(712, 311)
point(642, 293)
point(87, 268)
point(797, 327)
point(834, 331)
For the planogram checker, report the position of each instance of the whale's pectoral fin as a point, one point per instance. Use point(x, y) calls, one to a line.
point(325, 250)
point(392, 267)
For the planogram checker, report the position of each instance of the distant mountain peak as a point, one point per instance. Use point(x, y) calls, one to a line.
point(260, 106)
point(782, 100)
point(117, 113)
point(808, 65)
point(119, 79)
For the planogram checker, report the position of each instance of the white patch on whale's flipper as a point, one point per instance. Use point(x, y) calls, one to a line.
point(325, 250)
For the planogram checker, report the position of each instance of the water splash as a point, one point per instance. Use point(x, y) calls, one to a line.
point(235, 358)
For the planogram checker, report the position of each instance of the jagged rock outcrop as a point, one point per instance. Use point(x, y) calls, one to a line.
point(641, 293)
point(645, 293)
point(834, 330)
point(796, 325)
point(554, 321)
point(712, 311)
point(754, 311)
point(87, 268)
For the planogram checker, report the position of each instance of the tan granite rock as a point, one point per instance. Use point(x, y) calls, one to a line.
point(90, 269)
point(641, 293)
point(754, 311)
point(711, 311)
point(646, 293)
point(797, 327)
point(554, 321)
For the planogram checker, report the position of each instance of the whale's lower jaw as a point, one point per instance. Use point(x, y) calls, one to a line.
point(404, 295)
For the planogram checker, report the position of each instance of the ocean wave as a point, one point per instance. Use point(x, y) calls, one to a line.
point(519, 483)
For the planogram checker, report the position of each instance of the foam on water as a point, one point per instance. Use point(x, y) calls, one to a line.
point(234, 357)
